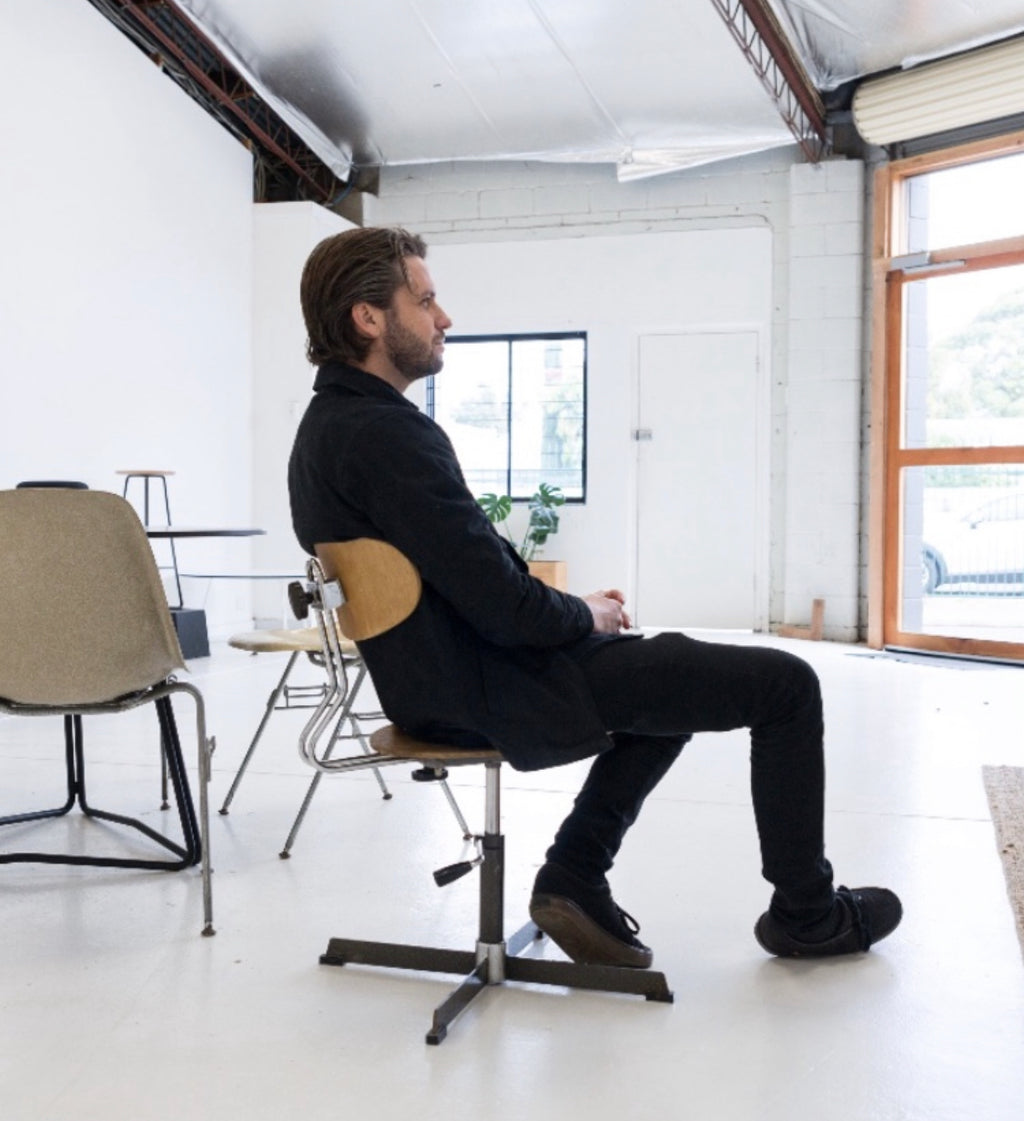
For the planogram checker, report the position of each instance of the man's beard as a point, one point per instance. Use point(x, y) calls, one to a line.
point(408, 353)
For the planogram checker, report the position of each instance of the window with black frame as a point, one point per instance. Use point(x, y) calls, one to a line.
point(514, 406)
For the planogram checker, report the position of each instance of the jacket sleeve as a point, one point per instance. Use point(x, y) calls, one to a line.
point(404, 473)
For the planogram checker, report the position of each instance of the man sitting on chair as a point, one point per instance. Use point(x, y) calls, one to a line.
point(491, 656)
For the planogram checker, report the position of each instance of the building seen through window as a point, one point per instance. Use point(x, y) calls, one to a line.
point(514, 407)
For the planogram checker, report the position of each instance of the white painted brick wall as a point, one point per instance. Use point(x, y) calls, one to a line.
point(824, 392)
point(817, 218)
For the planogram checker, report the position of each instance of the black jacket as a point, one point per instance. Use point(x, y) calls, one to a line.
point(490, 655)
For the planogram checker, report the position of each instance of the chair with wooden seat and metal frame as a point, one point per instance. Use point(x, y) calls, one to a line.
point(87, 631)
point(348, 720)
point(286, 695)
point(364, 588)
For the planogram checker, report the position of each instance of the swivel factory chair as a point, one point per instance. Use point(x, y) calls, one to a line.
point(364, 588)
point(87, 631)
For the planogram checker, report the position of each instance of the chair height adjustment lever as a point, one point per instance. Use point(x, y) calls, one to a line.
point(430, 774)
point(453, 872)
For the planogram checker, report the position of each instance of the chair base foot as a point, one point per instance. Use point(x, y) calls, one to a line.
point(478, 966)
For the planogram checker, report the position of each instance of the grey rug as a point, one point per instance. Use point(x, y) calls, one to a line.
point(1005, 789)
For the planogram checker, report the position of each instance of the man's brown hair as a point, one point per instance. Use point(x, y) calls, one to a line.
point(357, 266)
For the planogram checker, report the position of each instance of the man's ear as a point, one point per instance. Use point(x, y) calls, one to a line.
point(369, 320)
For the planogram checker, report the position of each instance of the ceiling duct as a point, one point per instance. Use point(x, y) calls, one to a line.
point(970, 89)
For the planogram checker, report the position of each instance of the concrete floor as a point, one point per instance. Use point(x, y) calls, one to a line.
point(114, 1007)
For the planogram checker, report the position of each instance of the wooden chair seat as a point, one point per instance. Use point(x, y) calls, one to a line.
point(304, 640)
point(394, 742)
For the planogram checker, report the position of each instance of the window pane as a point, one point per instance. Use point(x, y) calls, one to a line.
point(547, 416)
point(963, 551)
point(514, 408)
point(964, 205)
point(964, 360)
point(471, 405)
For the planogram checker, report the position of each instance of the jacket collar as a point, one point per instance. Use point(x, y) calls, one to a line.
point(339, 375)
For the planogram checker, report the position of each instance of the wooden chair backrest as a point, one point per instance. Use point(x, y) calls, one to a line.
point(380, 585)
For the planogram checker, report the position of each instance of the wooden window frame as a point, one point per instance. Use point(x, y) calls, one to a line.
point(886, 457)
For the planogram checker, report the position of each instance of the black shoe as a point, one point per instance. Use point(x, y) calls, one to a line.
point(585, 921)
point(863, 916)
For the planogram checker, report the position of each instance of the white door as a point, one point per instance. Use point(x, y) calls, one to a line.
point(702, 482)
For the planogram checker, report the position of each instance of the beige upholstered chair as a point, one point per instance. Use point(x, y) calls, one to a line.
point(87, 631)
point(363, 588)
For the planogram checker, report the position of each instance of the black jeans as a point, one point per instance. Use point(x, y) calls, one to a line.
point(654, 694)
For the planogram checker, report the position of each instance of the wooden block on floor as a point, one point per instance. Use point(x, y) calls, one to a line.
point(814, 631)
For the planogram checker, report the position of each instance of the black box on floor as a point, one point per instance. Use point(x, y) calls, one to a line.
point(190, 623)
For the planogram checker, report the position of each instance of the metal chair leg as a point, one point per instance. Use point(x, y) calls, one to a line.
point(185, 853)
point(357, 732)
point(466, 833)
point(72, 735)
point(272, 701)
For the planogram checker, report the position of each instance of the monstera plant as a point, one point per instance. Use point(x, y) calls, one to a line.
point(543, 521)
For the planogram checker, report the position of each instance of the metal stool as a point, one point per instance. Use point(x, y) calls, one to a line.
point(146, 476)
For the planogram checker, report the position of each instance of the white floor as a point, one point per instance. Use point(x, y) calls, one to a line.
point(112, 1006)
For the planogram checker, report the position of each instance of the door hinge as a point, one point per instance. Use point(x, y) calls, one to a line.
point(643, 434)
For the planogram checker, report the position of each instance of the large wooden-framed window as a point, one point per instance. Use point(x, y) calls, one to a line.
point(946, 540)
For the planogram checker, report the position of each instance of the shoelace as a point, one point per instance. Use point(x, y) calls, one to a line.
point(861, 922)
point(628, 921)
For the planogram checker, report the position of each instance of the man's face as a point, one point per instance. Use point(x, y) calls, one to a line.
point(414, 325)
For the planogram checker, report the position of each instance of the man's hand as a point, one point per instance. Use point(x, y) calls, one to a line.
point(607, 610)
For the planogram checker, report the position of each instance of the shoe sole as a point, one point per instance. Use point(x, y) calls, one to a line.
point(832, 947)
point(578, 936)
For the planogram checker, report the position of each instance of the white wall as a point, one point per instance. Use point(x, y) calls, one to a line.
point(283, 235)
point(124, 277)
point(615, 288)
point(815, 217)
point(824, 428)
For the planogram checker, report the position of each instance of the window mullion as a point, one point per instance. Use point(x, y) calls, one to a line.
point(508, 423)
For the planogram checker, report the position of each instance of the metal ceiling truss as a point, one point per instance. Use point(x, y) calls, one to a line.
point(285, 167)
point(756, 30)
